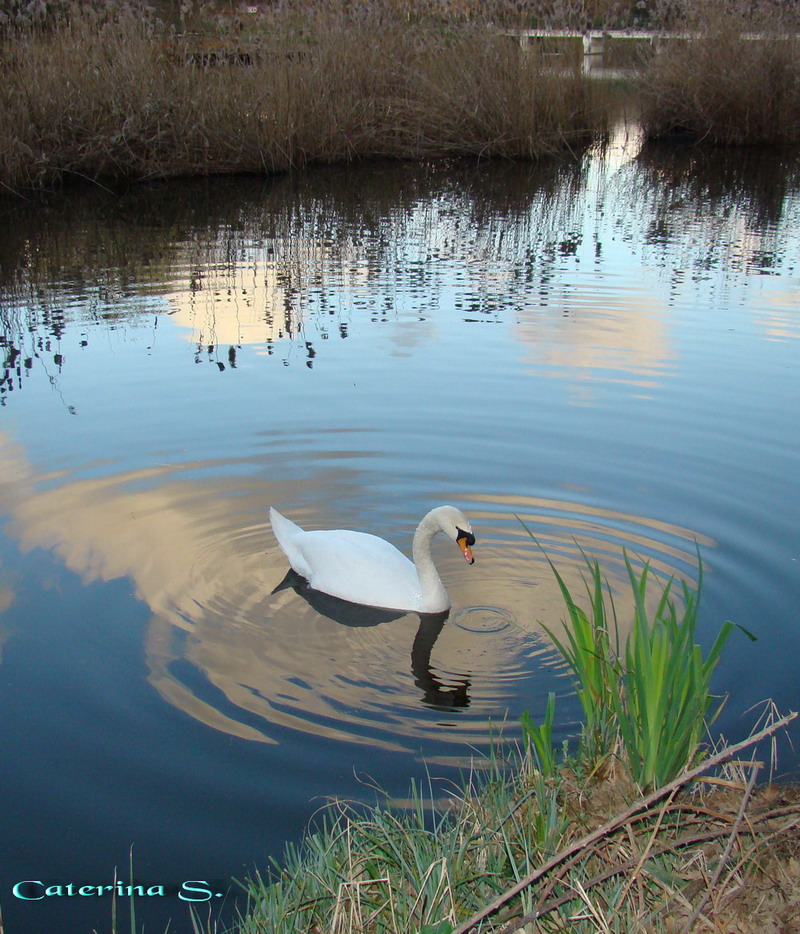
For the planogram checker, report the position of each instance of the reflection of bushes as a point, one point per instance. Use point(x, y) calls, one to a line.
point(144, 230)
point(686, 181)
point(120, 98)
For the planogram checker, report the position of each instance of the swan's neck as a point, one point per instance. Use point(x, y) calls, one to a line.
point(432, 591)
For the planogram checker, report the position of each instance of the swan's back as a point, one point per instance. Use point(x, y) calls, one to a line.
point(354, 566)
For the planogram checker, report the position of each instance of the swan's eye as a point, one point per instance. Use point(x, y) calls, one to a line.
point(467, 536)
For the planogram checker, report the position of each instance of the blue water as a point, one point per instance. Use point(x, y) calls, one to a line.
point(606, 348)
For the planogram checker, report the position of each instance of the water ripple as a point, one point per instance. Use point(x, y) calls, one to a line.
point(244, 649)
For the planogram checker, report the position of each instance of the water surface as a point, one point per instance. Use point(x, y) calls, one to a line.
point(605, 348)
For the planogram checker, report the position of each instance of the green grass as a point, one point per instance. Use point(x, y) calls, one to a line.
point(540, 737)
point(648, 704)
point(420, 869)
point(591, 651)
point(664, 702)
point(384, 870)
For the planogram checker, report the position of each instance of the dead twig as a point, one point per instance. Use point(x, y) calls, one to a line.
point(619, 821)
point(754, 767)
point(627, 866)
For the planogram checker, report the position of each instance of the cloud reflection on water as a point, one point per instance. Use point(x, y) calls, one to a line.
point(228, 648)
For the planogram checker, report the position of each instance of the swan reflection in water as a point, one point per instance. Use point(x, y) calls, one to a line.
point(362, 580)
point(435, 693)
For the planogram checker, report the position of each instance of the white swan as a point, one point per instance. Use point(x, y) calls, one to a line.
point(366, 569)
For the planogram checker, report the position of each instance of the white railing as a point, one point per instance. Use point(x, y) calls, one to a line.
point(594, 39)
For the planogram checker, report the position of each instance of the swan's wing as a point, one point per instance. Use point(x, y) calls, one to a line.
point(353, 566)
point(358, 567)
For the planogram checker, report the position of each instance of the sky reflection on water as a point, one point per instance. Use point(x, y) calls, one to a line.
point(606, 349)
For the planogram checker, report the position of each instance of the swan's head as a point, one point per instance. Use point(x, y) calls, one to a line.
point(454, 523)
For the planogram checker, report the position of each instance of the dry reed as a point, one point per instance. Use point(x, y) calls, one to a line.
point(123, 98)
point(735, 81)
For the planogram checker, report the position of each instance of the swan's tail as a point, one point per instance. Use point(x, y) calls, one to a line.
point(285, 530)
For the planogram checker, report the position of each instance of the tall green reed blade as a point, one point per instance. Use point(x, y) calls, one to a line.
point(539, 736)
point(655, 696)
point(592, 656)
point(665, 697)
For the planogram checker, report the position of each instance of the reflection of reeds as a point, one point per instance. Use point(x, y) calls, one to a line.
point(119, 98)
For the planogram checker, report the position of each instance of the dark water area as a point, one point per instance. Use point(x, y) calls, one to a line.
point(605, 347)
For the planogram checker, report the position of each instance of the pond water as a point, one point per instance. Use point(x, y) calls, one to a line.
point(605, 347)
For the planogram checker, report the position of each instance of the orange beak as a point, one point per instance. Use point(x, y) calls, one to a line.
point(462, 544)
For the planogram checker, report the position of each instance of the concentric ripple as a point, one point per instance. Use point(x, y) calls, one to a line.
point(485, 619)
point(266, 652)
point(240, 647)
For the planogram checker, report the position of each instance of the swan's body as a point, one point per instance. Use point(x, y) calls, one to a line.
point(366, 569)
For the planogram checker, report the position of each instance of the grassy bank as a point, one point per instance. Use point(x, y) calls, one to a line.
point(512, 851)
point(638, 828)
point(125, 97)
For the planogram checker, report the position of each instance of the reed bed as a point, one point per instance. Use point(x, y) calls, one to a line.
point(105, 91)
point(734, 81)
point(645, 707)
point(125, 97)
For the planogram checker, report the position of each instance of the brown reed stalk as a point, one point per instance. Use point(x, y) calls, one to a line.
point(731, 77)
point(128, 98)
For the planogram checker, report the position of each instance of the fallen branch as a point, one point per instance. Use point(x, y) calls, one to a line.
point(688, 840)
point(619, 821)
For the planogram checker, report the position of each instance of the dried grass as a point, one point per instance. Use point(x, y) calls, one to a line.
point(735, 82)
point(124, 98)
point(708, 852)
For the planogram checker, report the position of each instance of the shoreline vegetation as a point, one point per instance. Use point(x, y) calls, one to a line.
point(513, 850)
point(106, 92)
point(121, 91)
point(529, 844)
